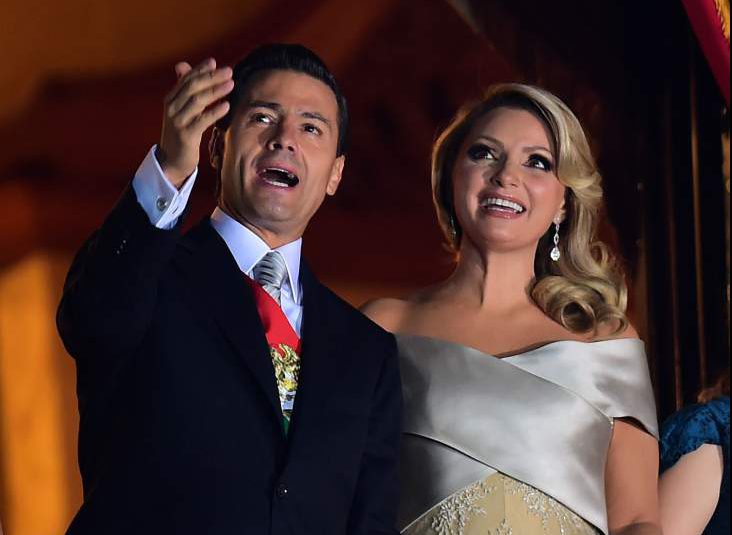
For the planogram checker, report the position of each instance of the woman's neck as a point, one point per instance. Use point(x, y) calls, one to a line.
point(493, 280)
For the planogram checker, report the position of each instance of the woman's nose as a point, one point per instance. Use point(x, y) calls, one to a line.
point(506, 176)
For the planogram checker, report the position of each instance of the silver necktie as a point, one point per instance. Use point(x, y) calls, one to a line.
point(271, 272)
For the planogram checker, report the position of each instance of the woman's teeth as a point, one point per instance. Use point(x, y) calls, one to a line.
point(502, 204)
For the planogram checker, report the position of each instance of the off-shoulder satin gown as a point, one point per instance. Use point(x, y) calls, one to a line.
point(518, 445)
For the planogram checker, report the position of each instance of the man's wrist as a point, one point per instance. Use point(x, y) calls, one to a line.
point(162, 201)
point(175, 177)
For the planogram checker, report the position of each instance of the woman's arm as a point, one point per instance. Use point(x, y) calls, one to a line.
point(631, 482)
point(689, 491)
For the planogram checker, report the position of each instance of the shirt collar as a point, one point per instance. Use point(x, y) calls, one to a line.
point(248, 249)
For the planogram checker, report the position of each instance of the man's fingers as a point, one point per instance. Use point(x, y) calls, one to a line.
point(206, 66)
point(195, 85)
point(182, 68)
point(207, 80)
point(200, 101)
point(209, 117)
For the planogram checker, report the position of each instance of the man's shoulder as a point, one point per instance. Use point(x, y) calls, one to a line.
point(201, 244)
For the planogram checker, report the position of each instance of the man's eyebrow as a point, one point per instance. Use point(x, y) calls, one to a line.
point(314, 115)
point(264, 104)
point(274, 106)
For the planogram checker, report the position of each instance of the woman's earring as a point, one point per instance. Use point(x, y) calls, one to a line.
point(556, 254)
point(453, 229)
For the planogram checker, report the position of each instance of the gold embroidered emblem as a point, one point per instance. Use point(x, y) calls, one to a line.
point(286, 364)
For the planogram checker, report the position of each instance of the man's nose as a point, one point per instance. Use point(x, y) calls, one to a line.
point(283, 138)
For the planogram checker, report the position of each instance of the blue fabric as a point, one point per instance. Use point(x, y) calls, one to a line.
point(688, 430)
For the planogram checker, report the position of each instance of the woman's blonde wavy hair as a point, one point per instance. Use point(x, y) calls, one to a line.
point(586, 287)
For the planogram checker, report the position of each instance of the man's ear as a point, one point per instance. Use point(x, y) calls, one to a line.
point(336, 175)
point(216, 147)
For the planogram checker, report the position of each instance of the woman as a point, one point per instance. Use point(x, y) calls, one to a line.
point(695, 484)
point(528, 407)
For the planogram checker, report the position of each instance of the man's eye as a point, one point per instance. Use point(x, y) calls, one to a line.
point(541, 163)
point(312, 129)
point(261, 118)
point(481, 152)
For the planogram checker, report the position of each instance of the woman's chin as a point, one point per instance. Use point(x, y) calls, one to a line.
point(501, 242)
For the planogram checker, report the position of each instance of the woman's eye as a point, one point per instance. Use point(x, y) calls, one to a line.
point(540, 162)
point(481, 152)
point(312, 129)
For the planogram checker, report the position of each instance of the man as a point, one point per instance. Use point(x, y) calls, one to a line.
point(222, 389)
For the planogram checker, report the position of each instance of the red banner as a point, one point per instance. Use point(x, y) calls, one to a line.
point(710, 21)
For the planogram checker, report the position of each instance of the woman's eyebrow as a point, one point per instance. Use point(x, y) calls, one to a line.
point(491, 139)
point(537, 147)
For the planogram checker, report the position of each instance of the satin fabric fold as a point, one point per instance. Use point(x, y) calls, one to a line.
point(543, 417)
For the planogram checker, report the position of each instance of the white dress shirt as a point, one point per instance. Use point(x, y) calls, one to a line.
point(164, 203)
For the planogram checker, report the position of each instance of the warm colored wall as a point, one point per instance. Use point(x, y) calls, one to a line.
point(90, 37)
point(40, 483)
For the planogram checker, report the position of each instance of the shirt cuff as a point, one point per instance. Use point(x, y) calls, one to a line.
point(162, 202)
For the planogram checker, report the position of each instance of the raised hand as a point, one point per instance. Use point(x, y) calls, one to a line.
point(191, 108)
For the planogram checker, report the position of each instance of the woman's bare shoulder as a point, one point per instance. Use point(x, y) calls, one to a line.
point(393, 313)
point(388, 312)
point(611, 332)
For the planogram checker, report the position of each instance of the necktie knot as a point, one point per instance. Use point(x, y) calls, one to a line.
point(271, 273)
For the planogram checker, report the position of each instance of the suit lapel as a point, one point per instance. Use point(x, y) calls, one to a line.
point(317, 356)
point(217, 285)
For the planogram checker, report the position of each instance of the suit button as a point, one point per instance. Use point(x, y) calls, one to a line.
point(282, 491)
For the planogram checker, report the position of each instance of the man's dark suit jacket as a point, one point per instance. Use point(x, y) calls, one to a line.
point(181, 428)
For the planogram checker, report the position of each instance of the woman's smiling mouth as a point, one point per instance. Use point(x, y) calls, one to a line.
point(501, 206)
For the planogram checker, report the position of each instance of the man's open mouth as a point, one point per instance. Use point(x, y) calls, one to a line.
point(279, 178)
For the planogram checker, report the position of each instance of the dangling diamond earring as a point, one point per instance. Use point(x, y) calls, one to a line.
point(556, 254)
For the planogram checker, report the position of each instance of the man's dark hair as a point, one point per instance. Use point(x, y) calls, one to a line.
point(286, 57)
